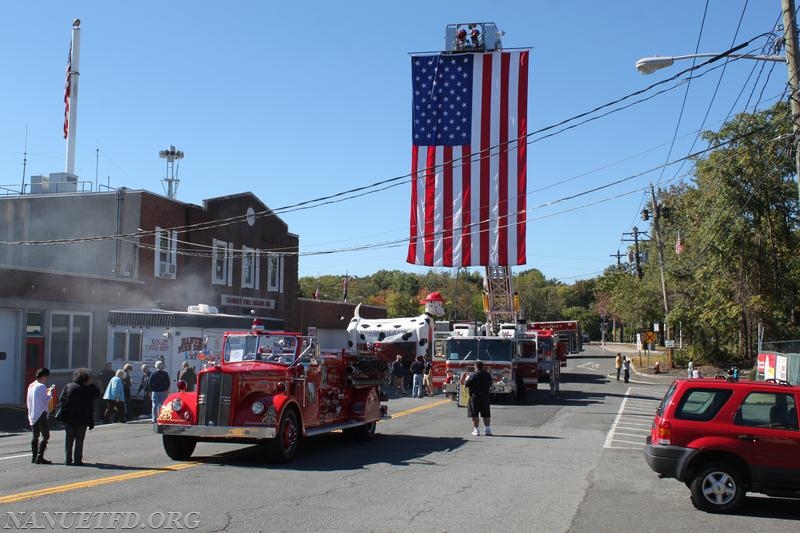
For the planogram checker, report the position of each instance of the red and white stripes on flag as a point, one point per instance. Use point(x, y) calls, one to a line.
point(469, 171)
point(67, 91)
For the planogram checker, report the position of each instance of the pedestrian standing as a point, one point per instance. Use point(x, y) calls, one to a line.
point(426, 378)
point(690, 369)
point(126, 390)
point(115, 398)
point(144, 385)
point(478, 385)
point(38, 401)
point(626, 368)
point(618, 364)
point(188, 376)
point(78, 405)
point(105, 376)
point(398, 375)
point(159, 385)
point(417, 370)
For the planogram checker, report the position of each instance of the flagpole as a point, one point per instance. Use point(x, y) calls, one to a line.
point(72, 95)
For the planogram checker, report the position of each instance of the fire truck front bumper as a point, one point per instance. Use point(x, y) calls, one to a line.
point(502, 388)
point(217, 432)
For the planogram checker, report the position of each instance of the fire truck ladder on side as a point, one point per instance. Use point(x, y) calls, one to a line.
point(499, 298)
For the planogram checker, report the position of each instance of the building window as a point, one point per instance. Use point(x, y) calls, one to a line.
point(34, 325)
point(222, 263)
point(250, 268)
point(70, 340)
point(274, 272)
point(166, 260)
point(127, 346)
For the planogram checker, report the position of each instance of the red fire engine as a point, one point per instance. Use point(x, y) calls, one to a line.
point(272, 388)
point(568, 332)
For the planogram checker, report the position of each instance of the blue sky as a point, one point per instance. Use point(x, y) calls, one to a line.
point(304, 99)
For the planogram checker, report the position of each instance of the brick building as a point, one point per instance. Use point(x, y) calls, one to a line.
point(67, 259)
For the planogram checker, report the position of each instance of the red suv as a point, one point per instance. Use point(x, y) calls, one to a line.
point(724, 438)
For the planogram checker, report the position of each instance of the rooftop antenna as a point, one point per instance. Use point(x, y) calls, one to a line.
point(24, 161)
point(172, 155)
point(96, 165)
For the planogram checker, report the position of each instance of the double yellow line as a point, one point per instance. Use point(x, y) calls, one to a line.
point(420, 408)
point(21, 496)
point(11, 498)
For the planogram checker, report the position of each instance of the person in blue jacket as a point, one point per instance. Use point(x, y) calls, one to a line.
point(115, 397)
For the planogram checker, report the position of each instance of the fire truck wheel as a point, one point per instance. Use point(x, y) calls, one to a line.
point(179, 448)
point(281, 449)
point(363, 432)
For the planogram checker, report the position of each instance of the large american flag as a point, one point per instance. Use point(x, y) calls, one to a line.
point(468, 167)
point(67, 92)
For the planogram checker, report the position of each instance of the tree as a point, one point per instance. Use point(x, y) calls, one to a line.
point(738, 224)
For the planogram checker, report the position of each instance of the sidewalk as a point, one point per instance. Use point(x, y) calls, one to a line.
point(13, 419)
point(629, 349)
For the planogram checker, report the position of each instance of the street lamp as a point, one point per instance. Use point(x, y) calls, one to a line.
point(648, 65)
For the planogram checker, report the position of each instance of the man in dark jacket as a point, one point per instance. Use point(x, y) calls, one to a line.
point(144, 385)
point(417, 370)
point(159, 385)
point(188, 376)
point(478, 385)
point(78, 405)
point(398, 375)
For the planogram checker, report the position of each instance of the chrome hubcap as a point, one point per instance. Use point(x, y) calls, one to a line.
point(719, 488)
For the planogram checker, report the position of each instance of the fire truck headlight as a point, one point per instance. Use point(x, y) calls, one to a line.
point(177, 405)
point(257, 408)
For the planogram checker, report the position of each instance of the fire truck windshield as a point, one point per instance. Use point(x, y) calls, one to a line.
point(472, 349)
point(272, 348)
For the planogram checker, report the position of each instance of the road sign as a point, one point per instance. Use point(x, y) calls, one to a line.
point(649, 337)
point(669, 343)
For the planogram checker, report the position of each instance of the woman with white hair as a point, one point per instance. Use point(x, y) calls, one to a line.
point(115, 398)
point(159, 386)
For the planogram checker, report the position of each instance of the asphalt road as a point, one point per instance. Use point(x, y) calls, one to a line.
point(570, 463)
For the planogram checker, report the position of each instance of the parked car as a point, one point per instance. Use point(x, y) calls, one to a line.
point(585, 338)
point(725, 437)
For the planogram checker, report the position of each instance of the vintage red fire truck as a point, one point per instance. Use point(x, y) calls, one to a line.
point(273, 388)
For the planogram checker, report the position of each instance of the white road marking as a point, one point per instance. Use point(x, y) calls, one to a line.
point(631, 442)
point(647, 425)
point(610, 436)
point(28, 455)
point(627, 435)
point(627, 428)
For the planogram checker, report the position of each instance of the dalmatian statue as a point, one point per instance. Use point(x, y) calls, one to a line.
point(388, 330)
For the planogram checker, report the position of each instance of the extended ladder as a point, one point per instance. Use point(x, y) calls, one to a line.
point(498, 301)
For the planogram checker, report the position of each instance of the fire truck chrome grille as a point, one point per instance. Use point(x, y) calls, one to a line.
point(214, 399)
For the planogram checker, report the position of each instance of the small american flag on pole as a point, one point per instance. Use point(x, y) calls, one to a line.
point(469, 163)
point(67, 91)
point(679, 245)
point(317, 293)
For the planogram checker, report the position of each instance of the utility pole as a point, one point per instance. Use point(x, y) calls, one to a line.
point(636, 260)
point(618, 256)
point(790, 38)
point(660, 248)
